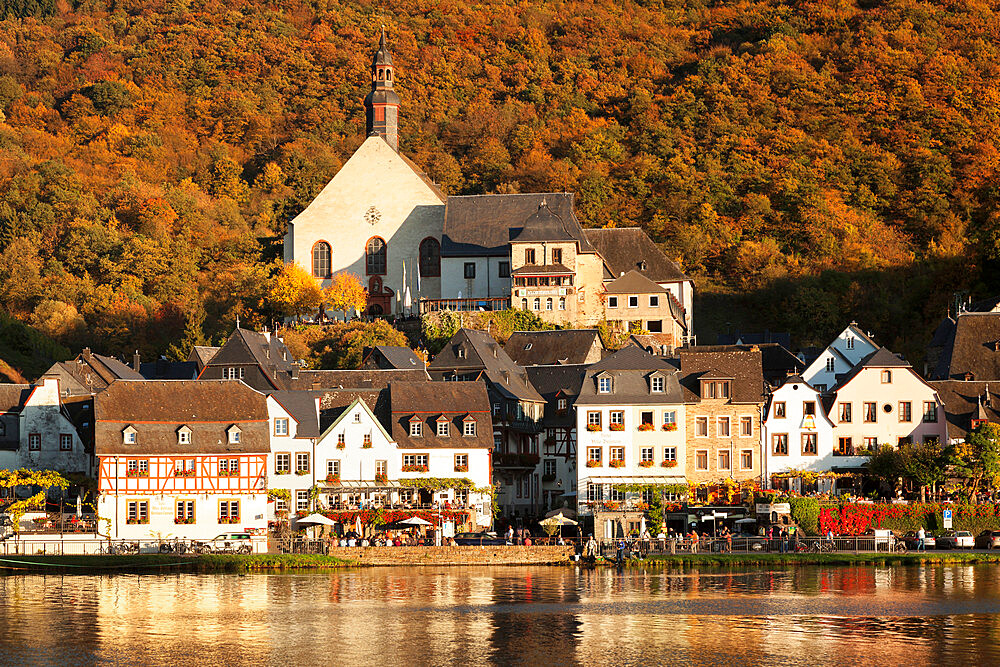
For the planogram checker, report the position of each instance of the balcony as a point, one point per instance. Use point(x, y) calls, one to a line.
point(464, 305)
point(514, 460)
point(523, 425)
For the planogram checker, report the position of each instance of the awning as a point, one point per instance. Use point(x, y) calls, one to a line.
point(637, 480)
point(361, 486)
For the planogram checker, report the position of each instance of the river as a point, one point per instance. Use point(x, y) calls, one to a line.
point(932, 614)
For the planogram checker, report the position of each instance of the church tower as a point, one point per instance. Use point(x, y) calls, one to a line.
point(382, 103)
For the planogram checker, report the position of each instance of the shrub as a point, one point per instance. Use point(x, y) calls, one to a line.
point(805, 512)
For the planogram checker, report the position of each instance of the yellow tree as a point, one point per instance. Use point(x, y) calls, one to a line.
point(293, 292)
point(346, 292)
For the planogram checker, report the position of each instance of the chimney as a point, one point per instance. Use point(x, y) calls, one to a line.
point(135, 361)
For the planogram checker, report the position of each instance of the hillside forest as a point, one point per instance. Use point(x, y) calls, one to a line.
point(808, 162)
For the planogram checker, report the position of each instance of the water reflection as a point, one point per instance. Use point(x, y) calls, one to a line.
point(554, 616)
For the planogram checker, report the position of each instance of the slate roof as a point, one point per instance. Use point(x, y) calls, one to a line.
point(975, 348)
point(161, 369)
point(398, 357)
point(756, 338)
point(777, 362)
point(483, 354)
point(626, 248)
point(202, 354)
point(633, 282)
point(543, 225)
point(538, 269)
point(454, 400)
point(880, 358)
point(13, 396)
point(630, 369)
point(743, 364)
point(89, 373)
point(268, 352)
point(302, 407)
point(332, 404)
point(157, 408)
point(562, 346)
point(485, 224)
point(964, 401)
point(354, 379)
point(553, 382)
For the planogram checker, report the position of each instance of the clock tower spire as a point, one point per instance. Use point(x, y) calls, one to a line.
point(382, 103)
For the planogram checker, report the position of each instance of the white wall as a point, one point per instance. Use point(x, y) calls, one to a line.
point(487, 283)
point(794, 395)
point(42, 414)
point(851, 345)
point(162, 510)
point(291, 445)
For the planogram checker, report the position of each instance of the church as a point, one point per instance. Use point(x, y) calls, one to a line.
point(419, 250)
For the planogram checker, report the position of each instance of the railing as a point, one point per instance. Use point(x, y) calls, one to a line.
point(515, 460)
point(464, 305)
point(101, 546)
point(750, 544)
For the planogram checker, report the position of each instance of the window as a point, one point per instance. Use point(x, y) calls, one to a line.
point(669, 417)
point(656, 384)
point(722, 427)
point(536, 304)
point(646, 417)
point(646, 454)
point(282, 462)
point(416, 429)
point(701, 427)
point(503, 269)
point(549, 468)
point(715, 389)
point(321, 260)
point(137, 511)
point(779, 444)
point(184, 512)
point(820, 387)
point(654, 326)
point(302, 462)
point(229, 511)
point(529, 255)
point(746, 427)
point(461, 462)
point(871, 444)
point(469, 428)
point(604, 385)
point(229, 467)
point(594, 454)
point(615, 494)
point(302, 501)
point(184, 437)
point(524, 304)
point(375, 256)
point(595, 493)
point(850, 342)
point(35, 442)
point(443, 429)
point(829, 364)
point(930, 412)
point(281, 426)
point(333, 468)
point(809, 408)
point(557, 255)
point(845, 413)
point(871, 414)
point(562, 303)
point(809, 444)
point(561, 405)
point(612, 302)
point(366, 440)
point(234, 436)
point(746, 459)
point(137, 468)
point(701, 459)
point(616, 418)
point(669, 453)
point(357, 417)
point(469, 270)
point(844, 447)
point(724, 462)
point(886, 377)
point(415, 460)
point(593, 418)
point(617, 453)
point(381, 468)
point(633, 302)
point(904, 440)
point(905, 411)
point(129, 436)
point(654, 301)
point(65, 442)
point(232, 373)
point(548, 303)
point(430, 258)
point(779, 410)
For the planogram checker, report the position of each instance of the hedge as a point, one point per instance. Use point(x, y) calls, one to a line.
point(805, 512)
point(856, 519)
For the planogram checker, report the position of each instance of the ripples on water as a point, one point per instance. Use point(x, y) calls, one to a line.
point(535, 615)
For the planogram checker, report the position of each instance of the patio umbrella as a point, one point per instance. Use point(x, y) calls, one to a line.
point(565, 511)
point(416, 521)
point(557, 520)
point(317, 520)
point(642, 525)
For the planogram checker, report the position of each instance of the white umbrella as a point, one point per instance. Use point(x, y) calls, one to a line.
point(317, 520)
point(416, 521)
point(642, 526)
point(565, 511)
point(557, 520)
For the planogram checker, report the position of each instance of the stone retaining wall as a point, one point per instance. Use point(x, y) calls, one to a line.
point(462, 555)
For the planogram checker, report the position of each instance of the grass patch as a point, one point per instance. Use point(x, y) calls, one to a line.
point(169, 562)
point(821, 559)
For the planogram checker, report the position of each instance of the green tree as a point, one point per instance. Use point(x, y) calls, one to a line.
point(884, 465)
point(925, 463)
point(978, 458)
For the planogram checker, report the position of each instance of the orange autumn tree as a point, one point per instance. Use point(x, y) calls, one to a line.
point(346, 293)
point(293, 292)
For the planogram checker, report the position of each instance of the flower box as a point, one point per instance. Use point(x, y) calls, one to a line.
point(617, 427)
point(179, 520)
point(461, 468)
point(645, 427)
point(341, 445)
point(593, 427)
point(414, 468)
point(366, 445)
point(333, 479)
point(669, 464)
point(137, 521)
point(593, 464)
point(281, 472)
point(381, 478)
point(229, 473)
point(184, 473)
point(229, 519)
point(645, 464)
point(137, 473)
point(617, 463)
point(670, 427)
point(301, 472)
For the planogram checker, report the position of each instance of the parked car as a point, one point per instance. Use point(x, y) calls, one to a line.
point(960, 539)
point(226, 543)
point(479, 539)
point(988, 539)
point(911, 540)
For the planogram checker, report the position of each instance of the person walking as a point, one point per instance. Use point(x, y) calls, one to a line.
point(921, 536)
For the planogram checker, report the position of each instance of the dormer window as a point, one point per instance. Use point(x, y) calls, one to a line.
point(656, 384)
point(604, 385)
point(715, 388)
point(460, 353)
point(234, 435)
point(184, 435)
point(129, 435)
point(416, 428)
point(561, 405)
point(469, 427)
point(443, 428)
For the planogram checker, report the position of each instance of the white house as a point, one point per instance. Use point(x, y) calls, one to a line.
point(839, 357)
point(292, 466)
point(181, 459)
point(798, 435)
point(36, 429)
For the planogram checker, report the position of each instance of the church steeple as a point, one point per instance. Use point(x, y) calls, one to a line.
point(382, 103)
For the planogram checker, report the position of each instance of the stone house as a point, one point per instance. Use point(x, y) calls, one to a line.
point(38, 429)
point(633, 302)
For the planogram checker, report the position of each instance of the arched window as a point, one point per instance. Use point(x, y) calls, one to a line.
point(375, 256)
point(430, 258)
point(562, 303)
point(322, 258)
point(537, 304)
point(548, 304)
point(524, 304)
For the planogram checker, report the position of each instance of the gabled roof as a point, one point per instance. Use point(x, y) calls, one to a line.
point(560, 346)
point(333, 403)
point(485, 224)
point(631, 369)
point(756, 338)
point(367, 410)
point(631, 357)
point(161, 369)
point(633, 282)
point(543, 225)
point(627, 248)
point(267, 351)
point(964, 401)
point(301, 406)
point(743, 363)
point(454, 400)
point(202, 354)
point(13, 396)
point(562, 380)
point(975, 348)
point(483, 353)
point(880, 358)
point(398, 357)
